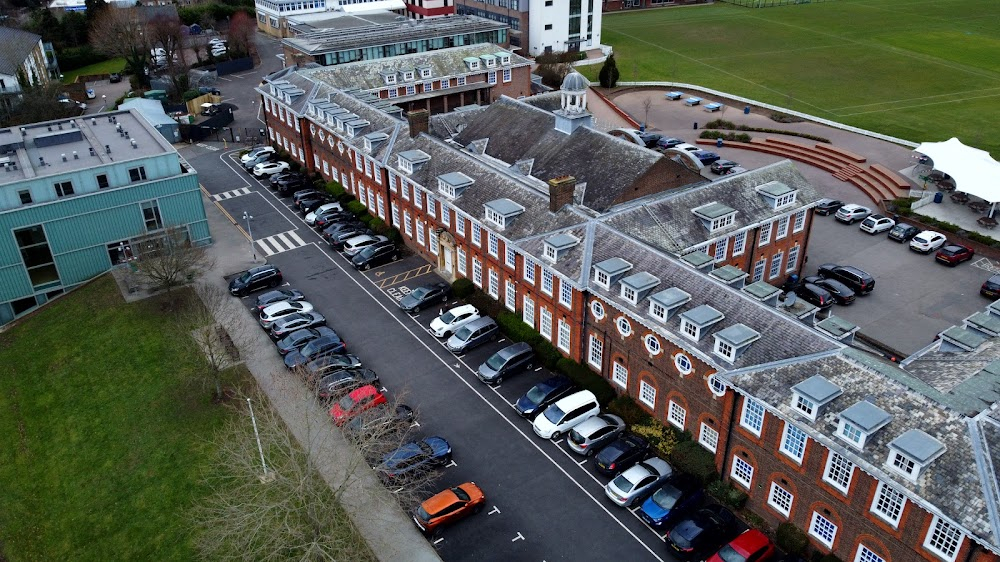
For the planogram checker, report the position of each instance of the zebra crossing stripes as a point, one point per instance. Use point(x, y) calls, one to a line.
point(280, 243)
point(230, 194)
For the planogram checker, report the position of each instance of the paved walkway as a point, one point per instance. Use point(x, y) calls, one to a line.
point(389, 531)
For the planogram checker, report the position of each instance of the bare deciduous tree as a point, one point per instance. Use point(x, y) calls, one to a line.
point(119, 32)
point(647, 104)
point(165, 32)
point(216, 335)
point(168, 259)
point(242, 30)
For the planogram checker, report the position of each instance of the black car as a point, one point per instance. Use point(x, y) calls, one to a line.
point(842, 294)
point(705, 157)
point(722, 166)
point(319, 347)
point(858, 280)
point(375, 255)
point(313, 202)
point(703, 533)
point(544, 394)
point(275, 179)
point(299, 338)
point(292, 184)
point(622, 453)
point(650, 139)
point(828, 206)
point(330, 216)
point(903, 232)
point(115, 77)
point(271, 297)
point(425, 295)
point(318, 368)
point(305, 194)
point(285, 325)
point(342, 381)
point(991, 287)
point(668, 142)
point(814, 294)
point(336, 234)
point(255, 279)
point(379, 422)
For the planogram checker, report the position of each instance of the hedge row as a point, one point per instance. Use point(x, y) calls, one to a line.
point(902, 206)
point(377, 225)
point(739, 137)
point(729, 125)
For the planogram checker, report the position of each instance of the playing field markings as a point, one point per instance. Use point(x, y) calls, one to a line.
point(922, 98)
point(903, 107)
point(404, 276)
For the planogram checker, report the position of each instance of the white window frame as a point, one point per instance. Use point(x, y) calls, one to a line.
point(564, 336)
point(395, 213)
point(739, 243)
point(432, 241)
point(822, 529)
point(445, 214)
point(758, 270)
point(510, 295)
point(493, 244)
point(943, 539)
point(752, 416)
point(836, 468)
point(431, 206)
point(647, 394)
point(418, 198)
point(494, 283)
point(776, 261)
point(420, 232)
point(708, 437)
point(888, 504)
point(866, 554)
point(545, 323)
point(765, 235)
point(477, 272)
point(477, 234)
point(528, 313)
point(794, 442)
point(547, 282)
point(506, 75)
point(565, 294)
point(462, 261)
point(721, 248)
point(528, 265)
point(782, 227)
point(595, 352)
point(676, 415)
point(619, 374)
point(510, 256)
point(406, 223)
point(742, 472)
point(793, 259)
point(459, 224)
point(800, 221)
point(780, 499)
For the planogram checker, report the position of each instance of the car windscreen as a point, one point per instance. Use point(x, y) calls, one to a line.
point(536, 394)
point(554, 414)
point(422, 514)
point(463, 333)
point(419, 293)
point(729, 554)
point(666, 497)
point(448, 317)
point(623, 484)
point(920, 240)
point(245, 277)
point(495, 362)
point(346, 403)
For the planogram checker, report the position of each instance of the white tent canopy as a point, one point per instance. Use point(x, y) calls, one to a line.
point(975, 172)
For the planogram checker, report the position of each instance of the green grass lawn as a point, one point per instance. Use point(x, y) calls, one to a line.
point(918, 70)
point(106, 67)
point(104, 431)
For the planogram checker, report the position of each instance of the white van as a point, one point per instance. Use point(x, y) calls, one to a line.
point(565, 414)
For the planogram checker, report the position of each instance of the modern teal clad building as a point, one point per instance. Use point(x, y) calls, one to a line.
point(79, 196)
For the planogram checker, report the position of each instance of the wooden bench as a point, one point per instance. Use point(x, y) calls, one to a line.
point(846, 154)
point(890, 176)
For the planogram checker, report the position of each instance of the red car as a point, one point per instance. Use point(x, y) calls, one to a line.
point(359, 400)
point(751, 546)
point(954, 254)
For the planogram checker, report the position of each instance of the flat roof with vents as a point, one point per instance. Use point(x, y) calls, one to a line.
point(963, 337)
point(836, 326)
point(613, 266)
point(985, 322)
point(702, 315)
point(641, 281)
point(917, 445)
point(866, 416)
point(819, 389)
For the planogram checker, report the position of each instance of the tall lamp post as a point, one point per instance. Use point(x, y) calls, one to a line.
point(253, 249)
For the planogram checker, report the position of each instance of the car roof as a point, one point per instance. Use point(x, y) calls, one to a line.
point(558, 381)
point(659, 466)
point(366, 390)
point(480, 322)
point(576, 400)
point(461, 308)
point(359, 238)
point(514, 349)
point(439, 501)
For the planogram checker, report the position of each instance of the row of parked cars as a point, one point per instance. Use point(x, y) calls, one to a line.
point(716, 164)
point(923, 242)
point(557, 407)
point(263, 162)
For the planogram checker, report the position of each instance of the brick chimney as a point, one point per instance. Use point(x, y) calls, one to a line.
point(420, 121)
point(561, 192)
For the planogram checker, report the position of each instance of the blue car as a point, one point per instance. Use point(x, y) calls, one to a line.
point(672, 499)
point(706, 157)
point(414, 457)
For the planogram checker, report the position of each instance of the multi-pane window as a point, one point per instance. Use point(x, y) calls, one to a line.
point(528, 314)
point(793, 259)
point(793, 442)
point(151, 216)
point(943, 539)
point(529, 270)
point(494, 286)
point(720, 249)
point(564, 334)
point(545, 325)
point(510, 257)
point(708, 437)
point(432, 239)
point(565, 294)
point(491, 77)
point(445, 214)
point(477, 272)
point(547, 282)
point(64, 188)
point(776, 265)
point(739, 243)
point(782, 228)
point(418, 198)
point(596, 353)
point(510, 295)
point(765, 234)
point(805, 405)
point(742, 471)
point(137, 174)
point(758, 270)
point(800, 221)
point(888, 504)
point(629, 294)
point(395, 214)
point(420, 232)
point(37, 257)
point(404, 189)
point(838, 472)
point(506, 75)
point(462, 263)
point(866, 555)
point(459, 224)
point(493, 244)
point(25, 196)
point(850, 432)
point(676, 414)
point(368, 167)
point(753, 415)
point(647, 394)
point(406, 223)
point(431, 205)
point(477, 234)
point(823, 529)
point(780, 499)
point(619, 374)
point(724, 349)
point(690, 329)
point(392, 182)
point(903, 464)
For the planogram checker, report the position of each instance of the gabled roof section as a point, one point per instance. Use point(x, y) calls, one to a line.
point(668, 223)
point(610, 167)
point(15, 46)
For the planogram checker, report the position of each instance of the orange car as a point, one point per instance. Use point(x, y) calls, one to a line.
point(449, 506)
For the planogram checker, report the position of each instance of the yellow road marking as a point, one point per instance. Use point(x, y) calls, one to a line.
point(405, 276)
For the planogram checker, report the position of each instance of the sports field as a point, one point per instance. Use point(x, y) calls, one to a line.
point(921, 70)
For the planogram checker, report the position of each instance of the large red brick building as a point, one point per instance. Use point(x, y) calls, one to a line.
point(664, 284)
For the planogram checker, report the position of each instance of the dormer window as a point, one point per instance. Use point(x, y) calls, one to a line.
point(406, 166)
point(602, 278)
point(784, 200)
point(778, 194)
point(556, 246)
point(663, 304)
point(810, 395)
point(425, 72)
point(725, 350)
point(407, 76)
point(860, 421)
point(733, 342)
point(698, 320)
point(472, 63)
point(490, 60)
point(550, 253)
point(410, 160)
point(636, 287)
point(722, 222)
point(390, 79)
point(502, 211)
point(504, 58)
point(912, 452)
point(715, 216)
point(609, 271)
point(452, 184)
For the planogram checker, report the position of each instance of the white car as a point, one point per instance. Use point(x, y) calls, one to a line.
point(850, 213)
point(270, 168)
point(280, 310)
point(311, 217)
point(446, 324)
point(635, 482)
point(877, 223)
point(686, 147)
point(927, 241)
point(358, 243)
point(253, 154)
point(566, 414)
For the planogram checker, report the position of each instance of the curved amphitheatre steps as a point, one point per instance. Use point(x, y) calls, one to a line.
point(876, 181)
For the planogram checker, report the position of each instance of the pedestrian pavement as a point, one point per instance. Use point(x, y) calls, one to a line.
point(388, 529)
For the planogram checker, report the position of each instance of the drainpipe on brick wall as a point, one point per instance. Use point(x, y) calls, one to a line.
point(810, 216)
point(729, 437)
point(753, 252)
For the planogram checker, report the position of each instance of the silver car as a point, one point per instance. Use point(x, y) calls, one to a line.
point(358, 243)
point(637, 481)
point(588, 437)
point(273, 312)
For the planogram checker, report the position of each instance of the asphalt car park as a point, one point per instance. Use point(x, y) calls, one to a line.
point(915, 298)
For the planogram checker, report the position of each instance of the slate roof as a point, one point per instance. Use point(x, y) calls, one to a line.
point(776, 329)
point(15, 46)
point(608, 166)
point(951, 485)
point(573, 263)
point(667, 222)
point(443, 63)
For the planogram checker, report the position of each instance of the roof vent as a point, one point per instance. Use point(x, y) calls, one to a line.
point(41, 160)
point(107, 149)
point(811, 395)
point(92, 152)
point(75, 156)
point(126, 134)
point(93, 121)
point(134, 144)
point(63, 157)
point(49, 128)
